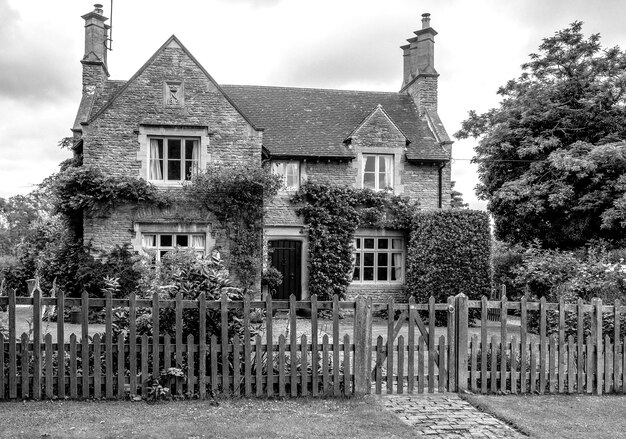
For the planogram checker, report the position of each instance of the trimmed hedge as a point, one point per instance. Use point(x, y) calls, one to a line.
point(449, 253)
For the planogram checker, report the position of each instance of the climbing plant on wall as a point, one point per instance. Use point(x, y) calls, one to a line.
point(332, 215)
point(236, 195)
point(78, 189)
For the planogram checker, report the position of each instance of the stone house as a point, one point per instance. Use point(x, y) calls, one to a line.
point(172, 117)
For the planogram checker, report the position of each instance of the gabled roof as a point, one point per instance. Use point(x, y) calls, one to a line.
point(116, 90)
point(379, 109)
point(308, 122)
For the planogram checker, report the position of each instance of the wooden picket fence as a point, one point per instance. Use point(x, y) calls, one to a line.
point(424, 347)
point(468, 351)
point(588, 361)
point(108, 366)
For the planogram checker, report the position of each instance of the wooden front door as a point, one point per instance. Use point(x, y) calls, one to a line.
point(286, 257)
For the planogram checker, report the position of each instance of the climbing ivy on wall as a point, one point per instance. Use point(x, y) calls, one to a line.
point(236, 195)
point(77, 189)
point(332, 215)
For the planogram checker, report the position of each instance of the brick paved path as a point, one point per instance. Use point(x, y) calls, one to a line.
point(445, 415)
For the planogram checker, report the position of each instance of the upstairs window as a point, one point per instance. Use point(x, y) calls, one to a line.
point(378, 260)
point(161, 243)
point(289, 170)
point(173, 159)
point(378, 172)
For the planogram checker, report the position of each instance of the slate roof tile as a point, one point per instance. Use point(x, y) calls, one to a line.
point(309, 122)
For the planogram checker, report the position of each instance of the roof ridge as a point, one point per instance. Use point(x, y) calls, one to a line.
point(282, 87)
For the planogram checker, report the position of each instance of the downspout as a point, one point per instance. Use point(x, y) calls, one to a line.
point(441, 185)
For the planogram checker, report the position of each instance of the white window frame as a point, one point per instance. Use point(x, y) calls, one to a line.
point(164, 143)
point(390, 160)
point(394, 253)
point(156, 243)
point(280, 167)
point(147, 132)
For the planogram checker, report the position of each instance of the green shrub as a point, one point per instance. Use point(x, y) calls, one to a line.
point(236, 195)
point(449, 253)
point(505, 260)
point(182, 271)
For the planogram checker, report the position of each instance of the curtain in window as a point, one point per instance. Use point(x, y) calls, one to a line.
point(388, 163)
point(148, 241)
point(197, 241)
point(195, 158)
point(156, 161)
point(396, 266)
point(292, 175)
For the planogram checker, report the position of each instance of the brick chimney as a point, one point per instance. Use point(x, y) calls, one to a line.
point(420, 76)
point(95, 72)
point(94, 61)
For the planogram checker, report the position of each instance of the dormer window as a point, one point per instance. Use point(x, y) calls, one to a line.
point(289, 170)
point(173, 159)
point(378, 172)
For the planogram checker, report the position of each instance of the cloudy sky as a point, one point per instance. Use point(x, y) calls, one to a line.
point(346, 44)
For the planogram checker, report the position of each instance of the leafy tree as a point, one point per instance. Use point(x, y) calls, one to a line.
point(17, 214)
point(550, 160)
point(456, 198)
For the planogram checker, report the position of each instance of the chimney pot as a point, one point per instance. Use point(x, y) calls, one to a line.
point(425, 20)
point(98, 9)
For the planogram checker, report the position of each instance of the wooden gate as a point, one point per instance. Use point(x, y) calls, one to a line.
point(414, 356)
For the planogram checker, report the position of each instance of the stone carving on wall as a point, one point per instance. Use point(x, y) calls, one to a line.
point(173, 94)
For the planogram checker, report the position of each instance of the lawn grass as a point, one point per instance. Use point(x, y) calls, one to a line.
point(237, 419)
point(558, 416)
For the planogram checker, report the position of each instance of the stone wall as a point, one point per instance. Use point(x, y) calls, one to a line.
point(111, 141)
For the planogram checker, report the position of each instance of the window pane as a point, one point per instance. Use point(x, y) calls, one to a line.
point(162, 253)
point(396, 266)
point(383, 259)
point(382, 273)
point(370, 163)
point(382, 181)
point(396, 244)
point(368, 273)
point(357, 274)
point(182, 240)
point(357, 259)
point(197, 241)
point(368, 243)
point(358, 242)
point(173, 170)
point(148, 241)
point(368, 259)
point(383, 243)
point(173, 149)
point(166, 240)
point(189, 169)
point(381, 165)
point(189, 149)
point(292, 175)
point(369, 181)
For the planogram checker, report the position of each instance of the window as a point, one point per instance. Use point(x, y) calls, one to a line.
point(173, 159)
point(290, 172)
point(378, 172)
point(378, 259)
point(161, 243)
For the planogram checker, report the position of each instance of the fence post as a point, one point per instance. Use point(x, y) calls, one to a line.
point(362, 346)
point(451, 344)
point(461, 342)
